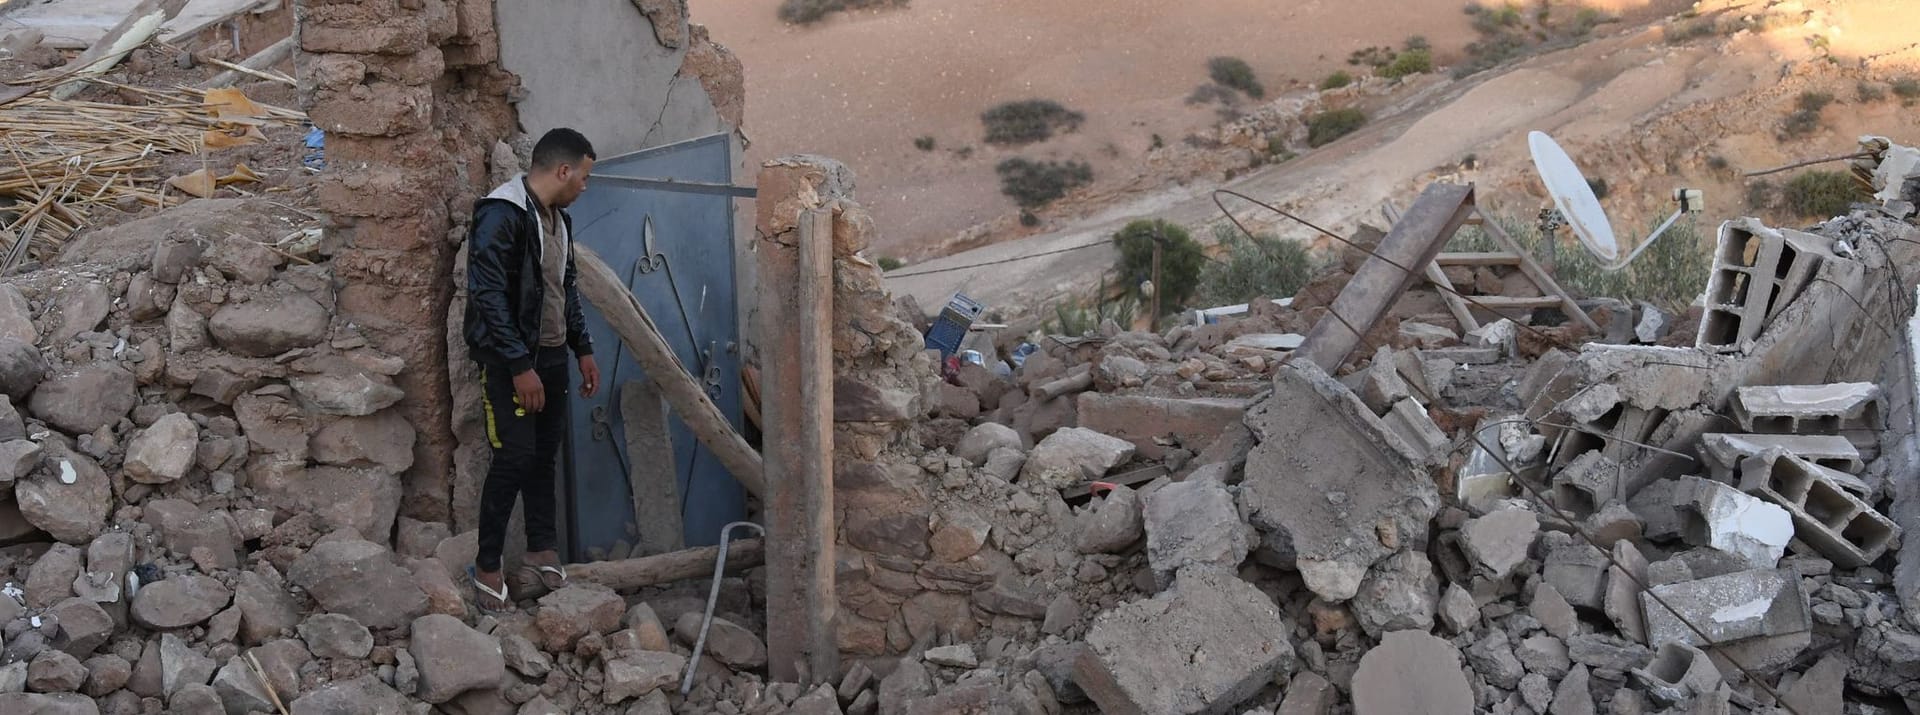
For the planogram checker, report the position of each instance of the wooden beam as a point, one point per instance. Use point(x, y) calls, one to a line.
point(1401, 259)
point(1539, 275)
point(637, 573)
point(796, 294)
point(603, 288)
point(255, 66)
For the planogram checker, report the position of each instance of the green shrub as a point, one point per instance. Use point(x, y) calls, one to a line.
point(1156, 143)
point(1338, 79)
point(1813, 101)
point(1254, 267)
point(1762, 195)
point(1407, 63)
point(1717, 163)
point(1028, 121)
point(1869, 92)
point(1236, 73)
point(923, 143)
point(1822, 193)
point(1333, 124)
point(1418, 42)
point(1375, 57)
point(1181, 259)
point(1277, 147)
point(803, 12)
point(888, 263)
point(1907, 88)
point(1075, 319)
point(1801, 123)
point(1599, 187)
point(1033, 184)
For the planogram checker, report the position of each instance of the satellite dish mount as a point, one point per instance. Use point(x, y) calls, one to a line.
point(1573, 197)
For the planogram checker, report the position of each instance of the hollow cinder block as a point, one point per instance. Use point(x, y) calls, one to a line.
point(1723, 453)
point(1834, 522)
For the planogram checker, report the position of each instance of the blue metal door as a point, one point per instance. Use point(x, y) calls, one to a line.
point(663, 219)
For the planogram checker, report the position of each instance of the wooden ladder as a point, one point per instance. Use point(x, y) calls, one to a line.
point(1511, 255)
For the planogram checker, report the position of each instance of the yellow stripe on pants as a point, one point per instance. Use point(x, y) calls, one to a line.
point(493, 432)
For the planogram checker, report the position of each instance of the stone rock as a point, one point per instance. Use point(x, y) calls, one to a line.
point(1492, 657)
point(84, 399)
point(1544, 654)
point(359, 696)
point(453, 658)
point(185, 529)
point(55, 672)
point(348, 393)
point(1411, 672)
point(522, 656)
point(384, 440)
point(81, 306)
point(1574, 696)
point(1458, 611)
point(361, 580)
point(1822, 688)
point(1111, 525)
point(269, 325)
point(266, 610)
point(632, 675)
point(983, 439)
point(1073, 455)
point(364, 500)
point(47, 704)
point(1623, 591)
point(12, 426)
point(179, 602)
point(163, 452)
point(953, 656)
point(199, 699)
point(331, 635)
point(105, 674)
point(1062, 613)
point(1553, 612)
point(1195, 523)
point(1327, 477)
point(16, 316)
point(21, 368)
point(1208, 642)
point(186, 327)
point(240, 689)
point(957, 535)
point(1499, 542)
point(1005, 464)
point(732, 645)
point(84, 626)
point(1309, 694)
point(1399, 593)
point(181, 666)
point(1536, 691)
point(1577, 570)
point(18, 458)
point(243, 260)
point(50, 580)
point(570, 613)
point(647, 628)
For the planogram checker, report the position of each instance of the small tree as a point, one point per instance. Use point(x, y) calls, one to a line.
point(1336, 80)
point(1408, 63)
point(1333, 124)
point(1034, 184)
point(1180, 261)
point(1822, 193)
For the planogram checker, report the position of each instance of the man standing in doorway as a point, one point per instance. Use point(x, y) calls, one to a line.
point(523, 315)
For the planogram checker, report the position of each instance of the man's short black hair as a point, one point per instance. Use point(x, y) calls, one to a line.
point(561, 146)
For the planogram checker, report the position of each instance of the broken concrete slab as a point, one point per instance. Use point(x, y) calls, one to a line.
point(1577, 570)
point(1400, 593)
point(1842, 527)
point(1821, 688)
point(983, 439)
point(1723, 453)
point(1201, 647)
point(1679, 673)
point(1809, 409)
point(1148, 421)
point(1720, 517)
point(1195, 524)
point(1589, 482)
point(1499, 542)
point(1623, 591)
point(1728, 608)
point(1329, 478)
point(1073, 455)
point(1110, 525)
point(1411, 672)
point(1410, 421)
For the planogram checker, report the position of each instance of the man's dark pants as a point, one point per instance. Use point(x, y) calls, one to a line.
point(524, 445)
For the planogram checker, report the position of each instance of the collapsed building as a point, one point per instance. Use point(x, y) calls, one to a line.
point(240, 474)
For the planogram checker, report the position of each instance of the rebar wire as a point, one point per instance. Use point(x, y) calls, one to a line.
point(1470, 300)
point(1811, 162)
point(1506, 464)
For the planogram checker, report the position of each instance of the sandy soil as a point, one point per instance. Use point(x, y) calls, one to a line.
point(1643, 112)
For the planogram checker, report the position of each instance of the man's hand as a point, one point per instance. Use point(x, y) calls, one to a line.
point(589, 376)
point(532, 395)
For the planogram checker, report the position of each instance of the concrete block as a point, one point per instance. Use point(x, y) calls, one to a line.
point(1202, 646)
point(1148, 421)
point(1720, 517)
point(1809, 409)
point(1733, 607)
point(1589, 482)
point(1678, 673)
point(1411, 672)
point(1498, 441)
point(1578, 571)
point(1410, 421)
point(1624, 589)
point(1723, 453)
point(1757, 271)
point(1838, 524)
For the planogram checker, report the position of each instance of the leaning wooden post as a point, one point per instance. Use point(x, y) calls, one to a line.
point(796, 389)
point(603, 288)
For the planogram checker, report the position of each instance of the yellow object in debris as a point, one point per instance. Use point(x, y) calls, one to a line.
point(200, 183)
point(228, 103)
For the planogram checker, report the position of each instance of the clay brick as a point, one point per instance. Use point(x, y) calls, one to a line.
point(388, 308)
point(383, 192)
point(482, 52)
point(410, 233)
point(402, 36)
point(421, 153)
point(334, 72)
point(416, 69)
point(1839, 525)
point(441, 19)
point(379, 109)
point(474, 19)
point(386, 267)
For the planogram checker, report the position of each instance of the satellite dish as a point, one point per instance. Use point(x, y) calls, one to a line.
point(1575, 199)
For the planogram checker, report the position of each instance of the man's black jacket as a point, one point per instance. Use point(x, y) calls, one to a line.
point(504, 286)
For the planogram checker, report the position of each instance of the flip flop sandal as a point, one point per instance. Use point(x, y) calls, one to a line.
point(542, 572)
point(482, 591)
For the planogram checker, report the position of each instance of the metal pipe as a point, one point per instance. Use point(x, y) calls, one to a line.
point(713, 598)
